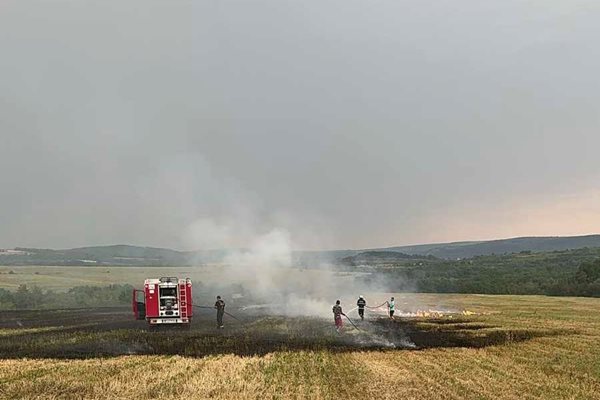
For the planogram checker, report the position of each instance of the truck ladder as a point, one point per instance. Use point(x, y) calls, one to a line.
point(183, 300)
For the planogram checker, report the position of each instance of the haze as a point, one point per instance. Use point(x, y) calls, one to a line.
point(348, 124)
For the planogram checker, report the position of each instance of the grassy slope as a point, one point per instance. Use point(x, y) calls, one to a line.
point(554, 367)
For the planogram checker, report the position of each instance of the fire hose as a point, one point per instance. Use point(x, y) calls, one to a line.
point(212, 308)
point(381, 305)
point(348, 318)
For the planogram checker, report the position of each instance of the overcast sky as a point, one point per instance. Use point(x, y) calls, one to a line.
point(347, 123)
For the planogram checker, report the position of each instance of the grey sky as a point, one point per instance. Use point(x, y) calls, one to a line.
point(347, 123)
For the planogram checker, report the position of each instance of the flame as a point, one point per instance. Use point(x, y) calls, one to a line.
point(435, 313)
point(428, 313)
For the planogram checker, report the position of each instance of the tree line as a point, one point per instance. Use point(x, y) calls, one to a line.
point(504, 275)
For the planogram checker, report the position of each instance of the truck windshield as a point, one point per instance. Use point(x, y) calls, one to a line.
point(168, 292)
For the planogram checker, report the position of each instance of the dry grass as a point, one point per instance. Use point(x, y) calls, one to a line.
point(562, 366)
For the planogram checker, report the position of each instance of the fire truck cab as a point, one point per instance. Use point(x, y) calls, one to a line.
point(167, 300)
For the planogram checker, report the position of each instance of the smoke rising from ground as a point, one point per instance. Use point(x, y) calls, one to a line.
point(270, 283)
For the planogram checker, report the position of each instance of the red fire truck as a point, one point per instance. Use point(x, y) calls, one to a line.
point(166, 300)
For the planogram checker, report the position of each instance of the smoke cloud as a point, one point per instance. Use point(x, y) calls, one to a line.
point(264, 279)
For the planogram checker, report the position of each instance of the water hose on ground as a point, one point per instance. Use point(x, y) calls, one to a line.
point(212, 308)
point(348, 318)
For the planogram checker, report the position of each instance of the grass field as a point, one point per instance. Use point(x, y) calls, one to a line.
point(61, 278)
point(514, 347)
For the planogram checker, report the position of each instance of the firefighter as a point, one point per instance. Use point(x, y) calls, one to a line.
point(337, 316)
point(220, 307)
point(391, 307)
point(361, 303)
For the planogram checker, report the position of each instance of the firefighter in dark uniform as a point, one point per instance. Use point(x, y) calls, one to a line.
point(337, 315)
point(361, 304)
point(220, 307)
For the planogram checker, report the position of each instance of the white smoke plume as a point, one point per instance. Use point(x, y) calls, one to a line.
point(266, 273)
point(270, 282)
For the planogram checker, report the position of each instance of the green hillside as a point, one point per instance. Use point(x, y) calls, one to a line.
point(565, 273)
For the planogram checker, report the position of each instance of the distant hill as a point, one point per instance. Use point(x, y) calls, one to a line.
point(153, 256)
point(502, 246)
point(125, 255)
point(97, 255)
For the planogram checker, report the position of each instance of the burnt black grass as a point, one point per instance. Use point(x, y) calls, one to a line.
point(109, 332)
